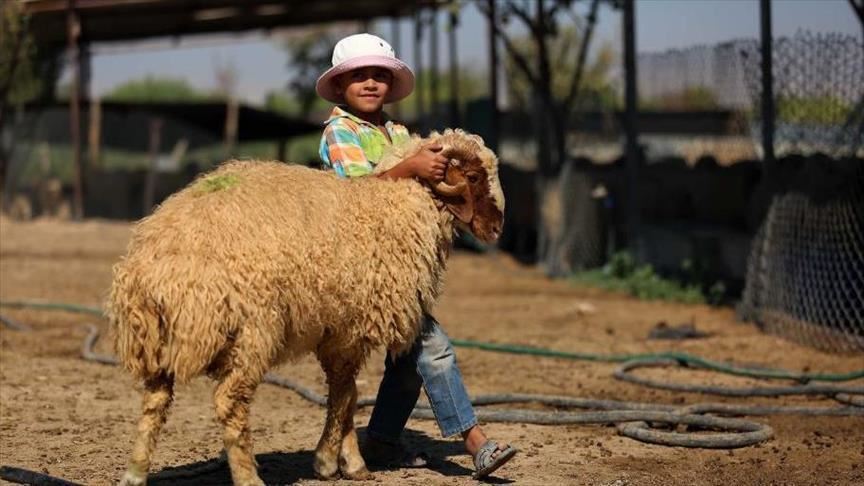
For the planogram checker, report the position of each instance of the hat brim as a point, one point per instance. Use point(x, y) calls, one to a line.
point(403, 78)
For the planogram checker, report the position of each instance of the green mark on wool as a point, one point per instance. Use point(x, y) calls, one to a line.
point(217, 182)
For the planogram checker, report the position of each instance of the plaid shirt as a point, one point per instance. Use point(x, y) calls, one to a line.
point(352, 147)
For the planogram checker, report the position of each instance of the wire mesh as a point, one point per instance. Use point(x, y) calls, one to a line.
point(805, 278)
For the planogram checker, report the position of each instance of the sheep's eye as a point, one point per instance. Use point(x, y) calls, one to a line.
point(473, 177)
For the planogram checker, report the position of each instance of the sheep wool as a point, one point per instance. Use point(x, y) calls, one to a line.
point(284, 253)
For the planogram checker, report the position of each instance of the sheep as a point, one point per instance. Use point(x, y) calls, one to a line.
point(256, 263)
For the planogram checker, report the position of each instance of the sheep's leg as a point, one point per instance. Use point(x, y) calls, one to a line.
point(232, 398)
point(157, 397)
point(338, 450)
point(351, 462)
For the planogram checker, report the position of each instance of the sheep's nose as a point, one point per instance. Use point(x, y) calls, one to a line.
point(496, 229)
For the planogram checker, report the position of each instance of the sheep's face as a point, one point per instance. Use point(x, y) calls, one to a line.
point(471, 190)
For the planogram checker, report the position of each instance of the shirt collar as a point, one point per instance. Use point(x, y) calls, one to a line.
point(339, 112)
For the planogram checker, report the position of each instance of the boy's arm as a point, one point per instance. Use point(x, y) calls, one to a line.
point(344, 152)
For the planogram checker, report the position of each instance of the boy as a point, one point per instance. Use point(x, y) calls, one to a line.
point(366, 75)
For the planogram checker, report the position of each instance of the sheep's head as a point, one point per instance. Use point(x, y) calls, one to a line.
point(471, 189)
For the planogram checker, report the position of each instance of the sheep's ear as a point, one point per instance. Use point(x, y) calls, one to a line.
point(462, 206)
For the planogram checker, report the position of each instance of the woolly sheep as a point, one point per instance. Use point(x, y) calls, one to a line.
point(259, 262)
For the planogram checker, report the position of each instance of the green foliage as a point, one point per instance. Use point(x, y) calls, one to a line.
point(692, 98)
point(623, 274)
point(152, 89)
point(19, 81)
point(813, 109)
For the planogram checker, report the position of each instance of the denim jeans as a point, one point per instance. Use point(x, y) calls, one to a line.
point(431, 364)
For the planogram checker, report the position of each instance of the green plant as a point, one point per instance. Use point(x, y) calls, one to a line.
point(624, 274)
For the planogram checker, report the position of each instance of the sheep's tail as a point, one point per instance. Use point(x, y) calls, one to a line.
point(137, 336)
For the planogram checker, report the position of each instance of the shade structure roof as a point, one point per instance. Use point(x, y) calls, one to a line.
point(119, 20)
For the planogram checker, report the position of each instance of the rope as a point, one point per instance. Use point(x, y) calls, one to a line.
point(689, 360)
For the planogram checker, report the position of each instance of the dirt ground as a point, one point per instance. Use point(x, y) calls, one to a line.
point(75, 419)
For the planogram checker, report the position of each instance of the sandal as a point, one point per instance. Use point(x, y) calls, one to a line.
point(486, 464)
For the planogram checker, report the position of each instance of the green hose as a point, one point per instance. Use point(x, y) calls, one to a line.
point(683, 358)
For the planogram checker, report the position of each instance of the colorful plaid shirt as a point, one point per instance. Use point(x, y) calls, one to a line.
point(352, 147)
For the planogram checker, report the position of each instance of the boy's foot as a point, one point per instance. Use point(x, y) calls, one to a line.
point(384, 455)
point(490, 457)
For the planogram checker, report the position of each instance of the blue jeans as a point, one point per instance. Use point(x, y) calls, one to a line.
point(431, 363)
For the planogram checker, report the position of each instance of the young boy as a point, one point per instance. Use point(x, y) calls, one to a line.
point(366, 75)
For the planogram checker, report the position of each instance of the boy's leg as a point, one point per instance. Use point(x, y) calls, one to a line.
point(442, 381)
point(450, 403)
point(397, 395)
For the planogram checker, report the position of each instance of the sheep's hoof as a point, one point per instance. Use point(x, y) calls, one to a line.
point(133, 479)
point(251, 482)
point(326, 469)
point(361, 474)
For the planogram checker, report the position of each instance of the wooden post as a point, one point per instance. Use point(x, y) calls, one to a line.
point(767, 85)
point(434, 100)
point(282, 150)
point(396, 42)
point(454, 65)
point(494, 128)
point(153, 152)
point(631, 131)
point(232, 115)
point(94, 134)
point(73, 34)
point(418, 66)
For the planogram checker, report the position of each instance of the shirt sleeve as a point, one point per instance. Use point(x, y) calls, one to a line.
point(344, 152)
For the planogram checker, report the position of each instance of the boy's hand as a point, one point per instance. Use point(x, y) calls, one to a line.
point(429, 164)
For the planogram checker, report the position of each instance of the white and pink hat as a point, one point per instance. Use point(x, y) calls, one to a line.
point(363, 50)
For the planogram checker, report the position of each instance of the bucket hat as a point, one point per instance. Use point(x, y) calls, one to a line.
point(364, 50)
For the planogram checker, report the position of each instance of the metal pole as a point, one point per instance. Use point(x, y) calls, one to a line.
point(767, 85)
point(631, 131)
point(73, 33)
point(454, 65)
point(433, 68)
point(418, 65)
point(494, 126)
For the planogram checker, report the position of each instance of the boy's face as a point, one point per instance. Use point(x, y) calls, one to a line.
point(364, 89)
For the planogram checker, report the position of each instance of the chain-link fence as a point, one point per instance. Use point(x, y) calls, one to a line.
point(805, 276)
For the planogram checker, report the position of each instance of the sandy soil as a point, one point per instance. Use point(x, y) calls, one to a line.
point(75, 419)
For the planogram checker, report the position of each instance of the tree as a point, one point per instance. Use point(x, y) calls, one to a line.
point(552, 114)
point(19, 82)
point(309, 54)
point(596, 91)
point(152, 89)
